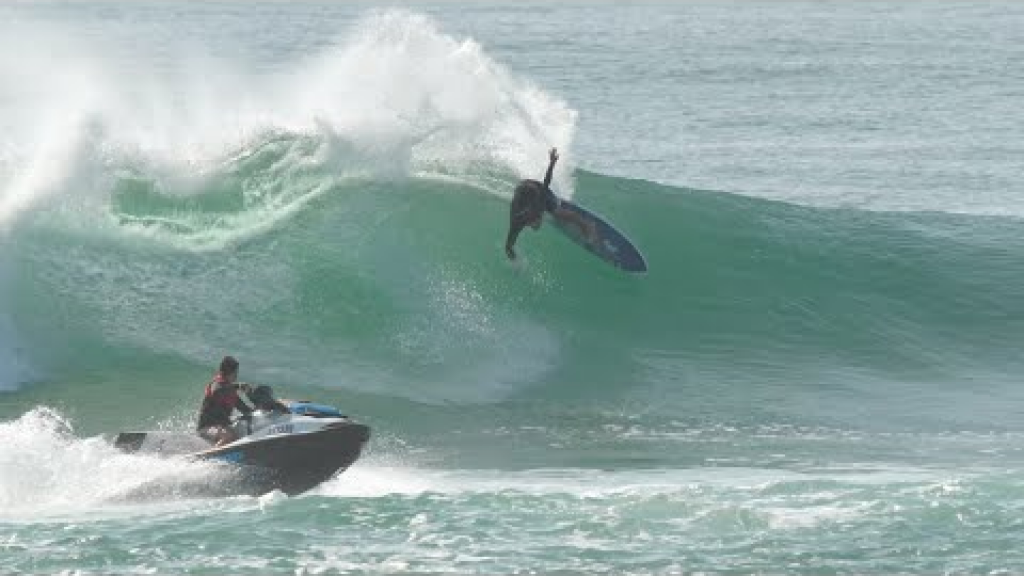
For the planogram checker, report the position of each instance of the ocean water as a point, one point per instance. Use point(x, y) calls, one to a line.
point(820, 374)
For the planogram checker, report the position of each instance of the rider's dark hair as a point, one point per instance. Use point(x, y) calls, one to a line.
point(228, 365)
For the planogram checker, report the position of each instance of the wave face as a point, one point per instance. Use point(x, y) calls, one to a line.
point(396, 287)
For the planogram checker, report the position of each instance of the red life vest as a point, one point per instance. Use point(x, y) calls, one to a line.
point(228, 399)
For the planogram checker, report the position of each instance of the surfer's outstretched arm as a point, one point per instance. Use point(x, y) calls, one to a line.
point(551, 167)
point(553, 204)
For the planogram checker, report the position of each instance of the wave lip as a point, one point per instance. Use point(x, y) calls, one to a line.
point(395, 96)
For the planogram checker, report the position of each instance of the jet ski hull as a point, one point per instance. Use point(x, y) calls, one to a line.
point(292, 463)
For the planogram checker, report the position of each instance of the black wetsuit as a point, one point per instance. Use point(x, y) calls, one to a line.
point(529, 202)
point(530, 199)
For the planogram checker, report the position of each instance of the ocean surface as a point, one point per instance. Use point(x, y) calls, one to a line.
point(820, 374)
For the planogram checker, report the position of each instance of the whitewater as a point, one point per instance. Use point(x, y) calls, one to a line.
point(819, 374)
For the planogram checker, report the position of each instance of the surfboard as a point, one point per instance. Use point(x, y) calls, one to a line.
point(609, 245)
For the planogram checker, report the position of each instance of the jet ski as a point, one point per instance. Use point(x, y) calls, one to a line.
point(291, 451)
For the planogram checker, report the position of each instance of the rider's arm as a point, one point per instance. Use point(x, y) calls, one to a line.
point(241, 406)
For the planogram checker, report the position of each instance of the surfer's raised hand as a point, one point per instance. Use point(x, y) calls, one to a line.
point(553, 154)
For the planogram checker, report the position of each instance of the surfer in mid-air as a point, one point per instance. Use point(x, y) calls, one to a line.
point(529, 202)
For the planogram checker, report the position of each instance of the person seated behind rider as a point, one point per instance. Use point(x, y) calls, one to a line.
point(262, 398)
point(220, 399)
point(529, 202)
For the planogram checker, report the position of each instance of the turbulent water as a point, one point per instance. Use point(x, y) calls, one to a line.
point(820, 373)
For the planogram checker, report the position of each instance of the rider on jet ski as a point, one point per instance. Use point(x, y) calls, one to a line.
point(221, 399)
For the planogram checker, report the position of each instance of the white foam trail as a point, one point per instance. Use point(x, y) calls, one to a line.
point(45, 470)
